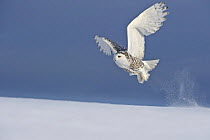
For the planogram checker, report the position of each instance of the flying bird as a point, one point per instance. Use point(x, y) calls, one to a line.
point(131, 59)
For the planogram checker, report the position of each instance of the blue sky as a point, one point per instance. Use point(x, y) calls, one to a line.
point(47, 50)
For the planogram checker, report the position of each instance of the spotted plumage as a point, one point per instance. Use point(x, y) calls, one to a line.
point(130, 59)
point(116, 46)
point(134, 62)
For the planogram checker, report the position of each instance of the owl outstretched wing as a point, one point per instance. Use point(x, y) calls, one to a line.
point(107, 46)
point(147, 23)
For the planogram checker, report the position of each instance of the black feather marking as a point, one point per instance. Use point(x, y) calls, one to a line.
point(116, 46)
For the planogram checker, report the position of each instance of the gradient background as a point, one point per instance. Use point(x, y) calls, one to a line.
point(47, 51)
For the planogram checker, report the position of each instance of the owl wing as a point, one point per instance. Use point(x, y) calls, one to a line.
point(147, 23)
point(107, 46)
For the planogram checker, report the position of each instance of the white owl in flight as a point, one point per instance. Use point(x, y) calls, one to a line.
point(147, 23)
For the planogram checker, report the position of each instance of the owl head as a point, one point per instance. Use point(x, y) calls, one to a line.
point(119, 57)
point(121, 60)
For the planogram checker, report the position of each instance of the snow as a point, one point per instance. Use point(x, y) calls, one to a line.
point(35, 119)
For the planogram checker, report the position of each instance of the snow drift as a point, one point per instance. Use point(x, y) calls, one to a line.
point(33, 119)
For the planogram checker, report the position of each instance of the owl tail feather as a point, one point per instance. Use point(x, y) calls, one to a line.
point(148, 66)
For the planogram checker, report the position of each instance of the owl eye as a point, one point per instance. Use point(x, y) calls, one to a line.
point(119, 56)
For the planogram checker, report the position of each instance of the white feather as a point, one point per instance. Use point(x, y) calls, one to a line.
point(105, 46)
point(147, 23)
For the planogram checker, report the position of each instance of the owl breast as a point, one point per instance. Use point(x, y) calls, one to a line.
point(135, 63)
point(135, 66)
point(126, 61)
point(122, 63)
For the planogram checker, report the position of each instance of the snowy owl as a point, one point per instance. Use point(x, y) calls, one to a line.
point(147, 23)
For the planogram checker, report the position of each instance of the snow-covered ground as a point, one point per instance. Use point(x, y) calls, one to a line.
point(33, 119)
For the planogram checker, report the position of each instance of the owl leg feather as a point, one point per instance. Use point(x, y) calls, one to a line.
point(143, 76)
